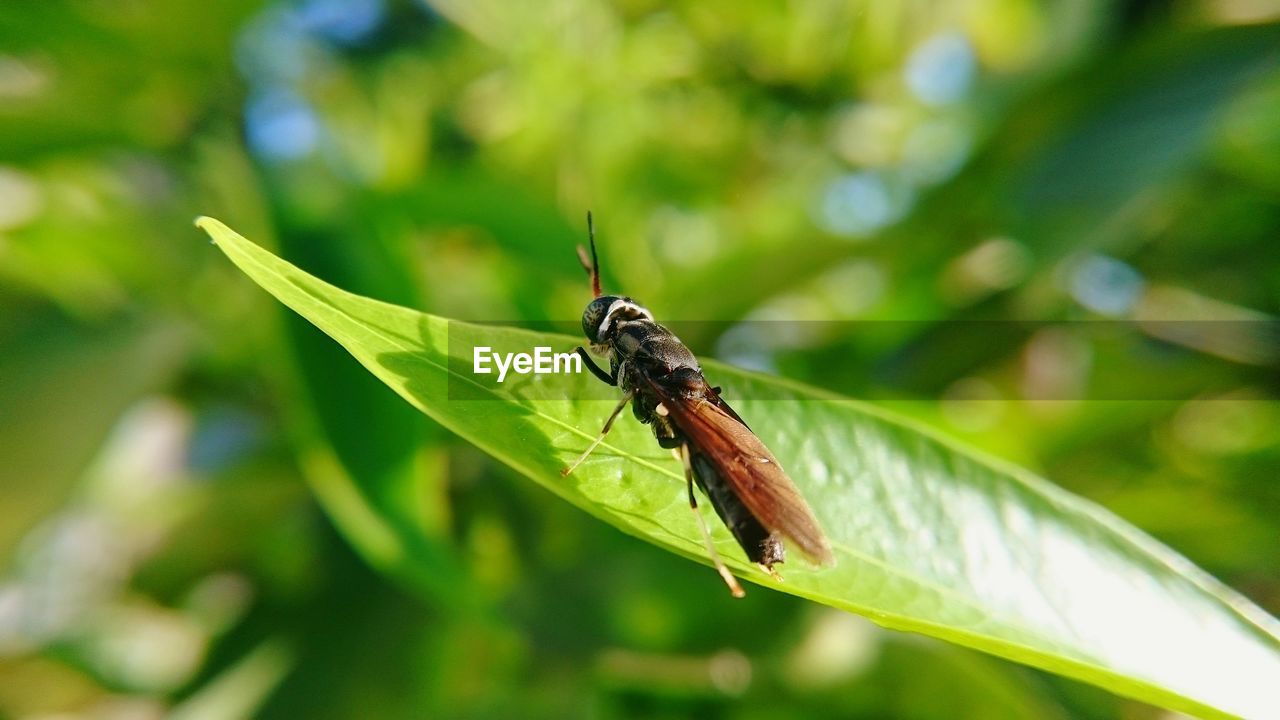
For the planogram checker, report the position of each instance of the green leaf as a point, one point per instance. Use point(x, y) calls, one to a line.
point(364, 453)
point(930, 537)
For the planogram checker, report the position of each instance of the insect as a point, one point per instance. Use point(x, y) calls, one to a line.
point(663, 382)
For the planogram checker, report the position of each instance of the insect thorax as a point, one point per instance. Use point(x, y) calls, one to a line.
point(651, 347)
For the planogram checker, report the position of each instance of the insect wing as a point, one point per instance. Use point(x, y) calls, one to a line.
point(716, 432)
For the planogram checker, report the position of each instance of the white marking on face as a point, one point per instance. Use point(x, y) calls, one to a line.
point(661, 410)
point(617, 306)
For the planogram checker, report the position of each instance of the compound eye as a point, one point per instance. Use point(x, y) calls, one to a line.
point(594, 315)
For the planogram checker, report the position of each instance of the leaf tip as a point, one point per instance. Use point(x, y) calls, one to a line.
point(210, 226)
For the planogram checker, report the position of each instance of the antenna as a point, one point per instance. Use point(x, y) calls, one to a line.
point(592, 267)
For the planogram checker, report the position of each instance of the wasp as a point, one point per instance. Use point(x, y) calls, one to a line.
point(662, 381)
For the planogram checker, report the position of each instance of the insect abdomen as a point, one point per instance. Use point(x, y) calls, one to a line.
point(758, 542)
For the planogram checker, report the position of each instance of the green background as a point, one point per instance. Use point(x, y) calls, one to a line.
point(168, 434)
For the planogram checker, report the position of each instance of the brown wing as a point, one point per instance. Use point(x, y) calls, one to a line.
point(754, 474)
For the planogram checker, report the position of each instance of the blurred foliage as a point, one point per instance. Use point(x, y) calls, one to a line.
point(185, 471)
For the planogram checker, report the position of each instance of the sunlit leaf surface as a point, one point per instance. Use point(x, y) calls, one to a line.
point(929, 537)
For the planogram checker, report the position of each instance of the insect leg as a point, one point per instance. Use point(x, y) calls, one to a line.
point(608, 424)
point(595, 369)
point(734, 588)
